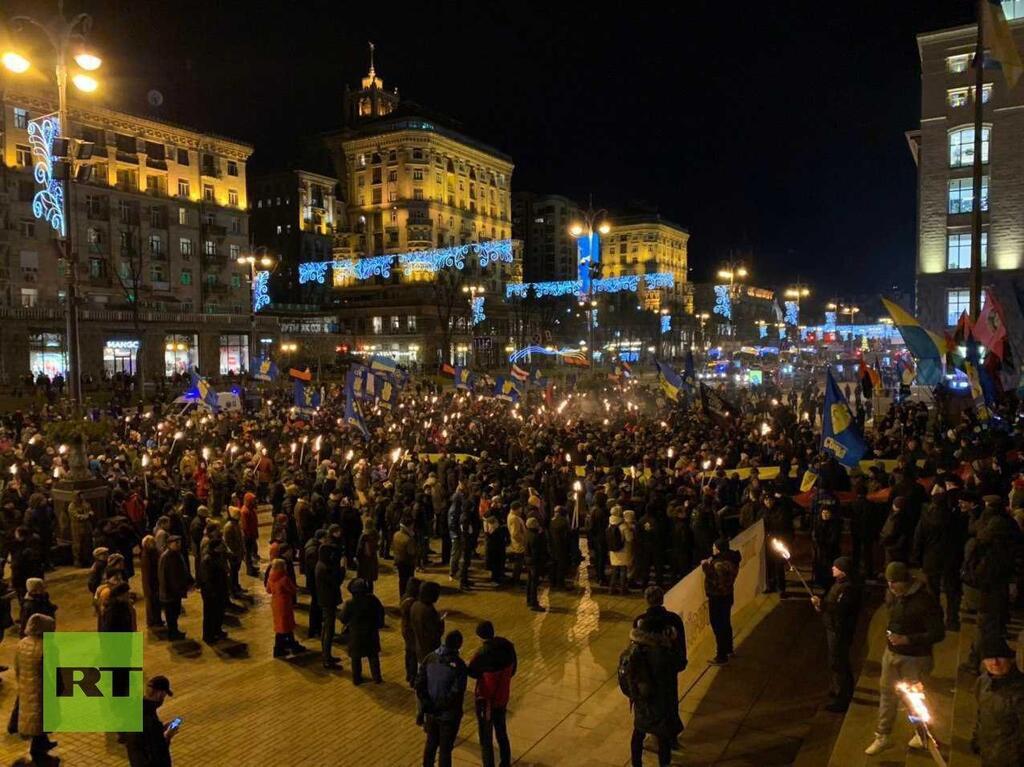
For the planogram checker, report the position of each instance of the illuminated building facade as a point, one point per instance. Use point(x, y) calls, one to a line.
point(159, 222)
point(646, 245)
point(412, 183)
point(943, 148)
point(541, 223)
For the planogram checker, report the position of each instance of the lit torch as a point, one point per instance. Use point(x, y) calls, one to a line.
point(912, 694)
point(782, 551)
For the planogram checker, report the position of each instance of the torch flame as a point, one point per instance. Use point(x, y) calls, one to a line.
point(780, 548)
point(913, 694)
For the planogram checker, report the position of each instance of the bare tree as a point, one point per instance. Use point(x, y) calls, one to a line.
point(130, 278)
point(447, 289)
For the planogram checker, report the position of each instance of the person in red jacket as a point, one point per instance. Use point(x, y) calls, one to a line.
point(493, 667)
point(251, 533)
point(283, 590)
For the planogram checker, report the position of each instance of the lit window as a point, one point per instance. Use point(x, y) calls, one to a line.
point(20, 118)
point(956, 64)
point(156, 244)
point(183, 216)
point(961, 195)
point(957, 98)
point(209, 248)
point(958, 301)
point(232, 168)
point(23, 155)
point(183, 188)
point(378, 324)
point(396, 323)
point(233, 198)
point(185, 246)
point(961, 147)
point(410, 323)
point(208, 192)
point(958, 251)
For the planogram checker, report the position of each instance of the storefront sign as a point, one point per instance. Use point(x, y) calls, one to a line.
point(123, 344)
point(310, 326)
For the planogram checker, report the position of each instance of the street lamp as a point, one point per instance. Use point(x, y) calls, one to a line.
point(257, 290)
point(67, 39)
point(732, 271)
point(590, 228)
point(848, 309)
point(795, 293)
point(703, 317)
point(473, 291)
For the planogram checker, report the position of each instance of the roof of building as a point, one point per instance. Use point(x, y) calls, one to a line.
point(645, 218)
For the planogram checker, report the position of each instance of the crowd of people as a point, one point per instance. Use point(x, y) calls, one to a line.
point(606, 481)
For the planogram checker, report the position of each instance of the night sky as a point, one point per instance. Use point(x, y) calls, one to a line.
point(773, 127)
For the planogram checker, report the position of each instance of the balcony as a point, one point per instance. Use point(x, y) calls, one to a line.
point(156, 164)
point(217, 288)
point(215, 230)
point(210, 171)
point(162, 286)
point(127, 157)
point(158, 255)
point(214, 259)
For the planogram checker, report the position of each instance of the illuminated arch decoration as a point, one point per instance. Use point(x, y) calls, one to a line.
point(762, 331)
point(723, 302)
point(792, 313)
point(455, 257)
point(550, 351)
point(260, 296)
point(478, 315)
point(627, 282)
point(48, 202)
point(666, 323)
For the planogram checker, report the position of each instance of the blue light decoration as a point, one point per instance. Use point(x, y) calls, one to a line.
point(723, 302)
point(666, 323)
point(792, 313)
point(477, 304)
point(830, 321)
point(762, 331)
point(519, 354)
point(588, 254)
point(628, 282)
point(48, 202)
point(874, 331)
point(260, 297)
point(629, 356)
point(486, 253)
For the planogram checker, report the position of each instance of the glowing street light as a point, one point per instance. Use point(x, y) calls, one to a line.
point(15, 62)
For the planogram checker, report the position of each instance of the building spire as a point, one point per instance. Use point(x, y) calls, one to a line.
point(372, 73)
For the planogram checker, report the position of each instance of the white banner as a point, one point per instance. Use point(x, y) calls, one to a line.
point(687, 597)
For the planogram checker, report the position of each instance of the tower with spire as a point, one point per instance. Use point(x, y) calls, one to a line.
point(371, 100)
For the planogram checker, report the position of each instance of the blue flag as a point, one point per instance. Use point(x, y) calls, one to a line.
point(307, 398)
point(202, 390)
point(464, 379)
point(353, 415)
point(840, 435)
point(670, 381)
point(266, 369)
point(383, 364)
point(689, 374)
point(505, 388)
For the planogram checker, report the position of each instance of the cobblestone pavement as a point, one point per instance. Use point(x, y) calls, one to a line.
point(242, 707)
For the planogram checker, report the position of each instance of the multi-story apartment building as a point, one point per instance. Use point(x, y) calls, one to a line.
point(644, 245)
point(943, 148)
point(542, 224)
point(157, 230)
point(410, 183)
point(297, 216)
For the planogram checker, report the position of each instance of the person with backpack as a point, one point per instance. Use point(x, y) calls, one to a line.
point(493, 667)
point(620, 551)
point(661, 620)
point(720, 571)
point(440, 688)
point(646, 672)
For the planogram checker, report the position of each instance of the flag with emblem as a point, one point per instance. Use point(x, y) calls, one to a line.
point(840, 435)
point(505, 388)
point(926, 347)
point(671, 382)
point(266, 369)
point(204, 392)
point(353, 414)
point(990, 329)
point(307, 398)
point(464, 379)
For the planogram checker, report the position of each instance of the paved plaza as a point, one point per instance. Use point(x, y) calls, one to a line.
point(240, 706)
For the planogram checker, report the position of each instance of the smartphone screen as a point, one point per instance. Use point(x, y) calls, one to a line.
point(175, 723)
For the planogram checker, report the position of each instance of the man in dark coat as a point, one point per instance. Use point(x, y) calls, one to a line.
point(661, 621)
point(493, 667)
point(426, 624)
point(720, 571)
point(778, 523)
point(310, 558)
point(215, 590)
point(536, 561)
point(938, 547)
point(646, 670)
point(174, 585)
point(999, 730)
point(363, 614)
point(840, 609)
point(598, 546)
point(558, 544)
point(151, 747)
point(327, 587)
point(440, 690)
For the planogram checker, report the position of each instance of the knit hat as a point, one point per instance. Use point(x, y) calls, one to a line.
point(722, 543)
point(100, 552)
point(845, 564)
point(533, 523)
point(995, 647)
point(35, 586)
point(897, 572)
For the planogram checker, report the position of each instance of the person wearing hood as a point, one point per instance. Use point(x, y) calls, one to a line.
point(646, 670)
point(327, 588)
point(404, 551)
point(536, 562)
point(363, 616)
point(250, 532)
point(37, 600)
point(999, 728)
point(282, 590)
point(720, 571)
point(915, 627)
point(620, 536)
point(149, 565)
point(516, 540)
point(426, 623)
point(28, 669)
point(409, 597)
point(440, 690)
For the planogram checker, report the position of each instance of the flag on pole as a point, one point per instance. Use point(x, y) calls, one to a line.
point(840, 435)
point(382, 363)
point(204, 391)
point(447, 370)
point(990, 329)
point(464, 379)
point(1002, 49)
point(353, 415)
point(689, 373)
point(266, 369)
point(302, 375)
point(307, 398)
point(925, 347)
point(717, 407)
point(670, 380)
point(518, 373)
point(506, 389)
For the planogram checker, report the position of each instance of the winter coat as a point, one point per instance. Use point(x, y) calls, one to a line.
point(282, 591)
point(536, 548)
point(233, 541)
point(363, 614)
point(250, 518)
point(917, 615)
point(652, 690)
point(368, 564)
point(895, 537)
point(516, 534)
point(624, 557)
point(720, 574)
point(493, 667)
point(934, 539)
point(999, 732)
point(173, 576)
point(441, 685)
point(28, 667)
point(328, 575)
point(558, 539)
point(403, 547)
point(425, 622)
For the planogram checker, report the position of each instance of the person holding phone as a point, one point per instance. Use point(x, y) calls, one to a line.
point(152, 746)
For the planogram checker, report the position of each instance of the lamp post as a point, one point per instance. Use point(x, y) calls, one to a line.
point(67, 39)
point(703, 317)
point(733, 271)
point(887, 321)
point(257, 299)
point(795, 293)
point(848, 309)
point(473, 291)
point(590, 228)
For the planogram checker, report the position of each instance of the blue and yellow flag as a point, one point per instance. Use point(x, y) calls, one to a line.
point(926, 348)
point(505, 388)
point(464, 379)
point(689, 373)
point(307, 398)
point(383, 364)
point(266, 369)
point(201, 388)
point(670, 381)
point(353, 415)
point(840, 435)
point(999, 39)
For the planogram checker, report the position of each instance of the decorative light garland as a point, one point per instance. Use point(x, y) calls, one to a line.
point(666, 323)
point(723, 302)
point(48, 202)
point(627, 282)
point(454, 257)
point(260, 297)
point(792, 313)
point(478, 315)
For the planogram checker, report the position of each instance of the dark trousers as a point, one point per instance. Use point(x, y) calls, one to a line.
point(213, 616)
point(720, 614)
point(599, 560)
point(993, 615)
point(490, 729)
point(252, 554)
point(327, 619)
point(405, 571)
point(172, 610)
point(411, 666)
point(776, 572)
point(636, 749)
point(517, 567)
point(315, 615)
point(840, 672)
point(950, 582)
point(440, 736)
point(532, 585)
point(357, 668)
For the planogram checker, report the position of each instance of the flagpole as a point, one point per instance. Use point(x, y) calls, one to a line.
point(979, 98)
